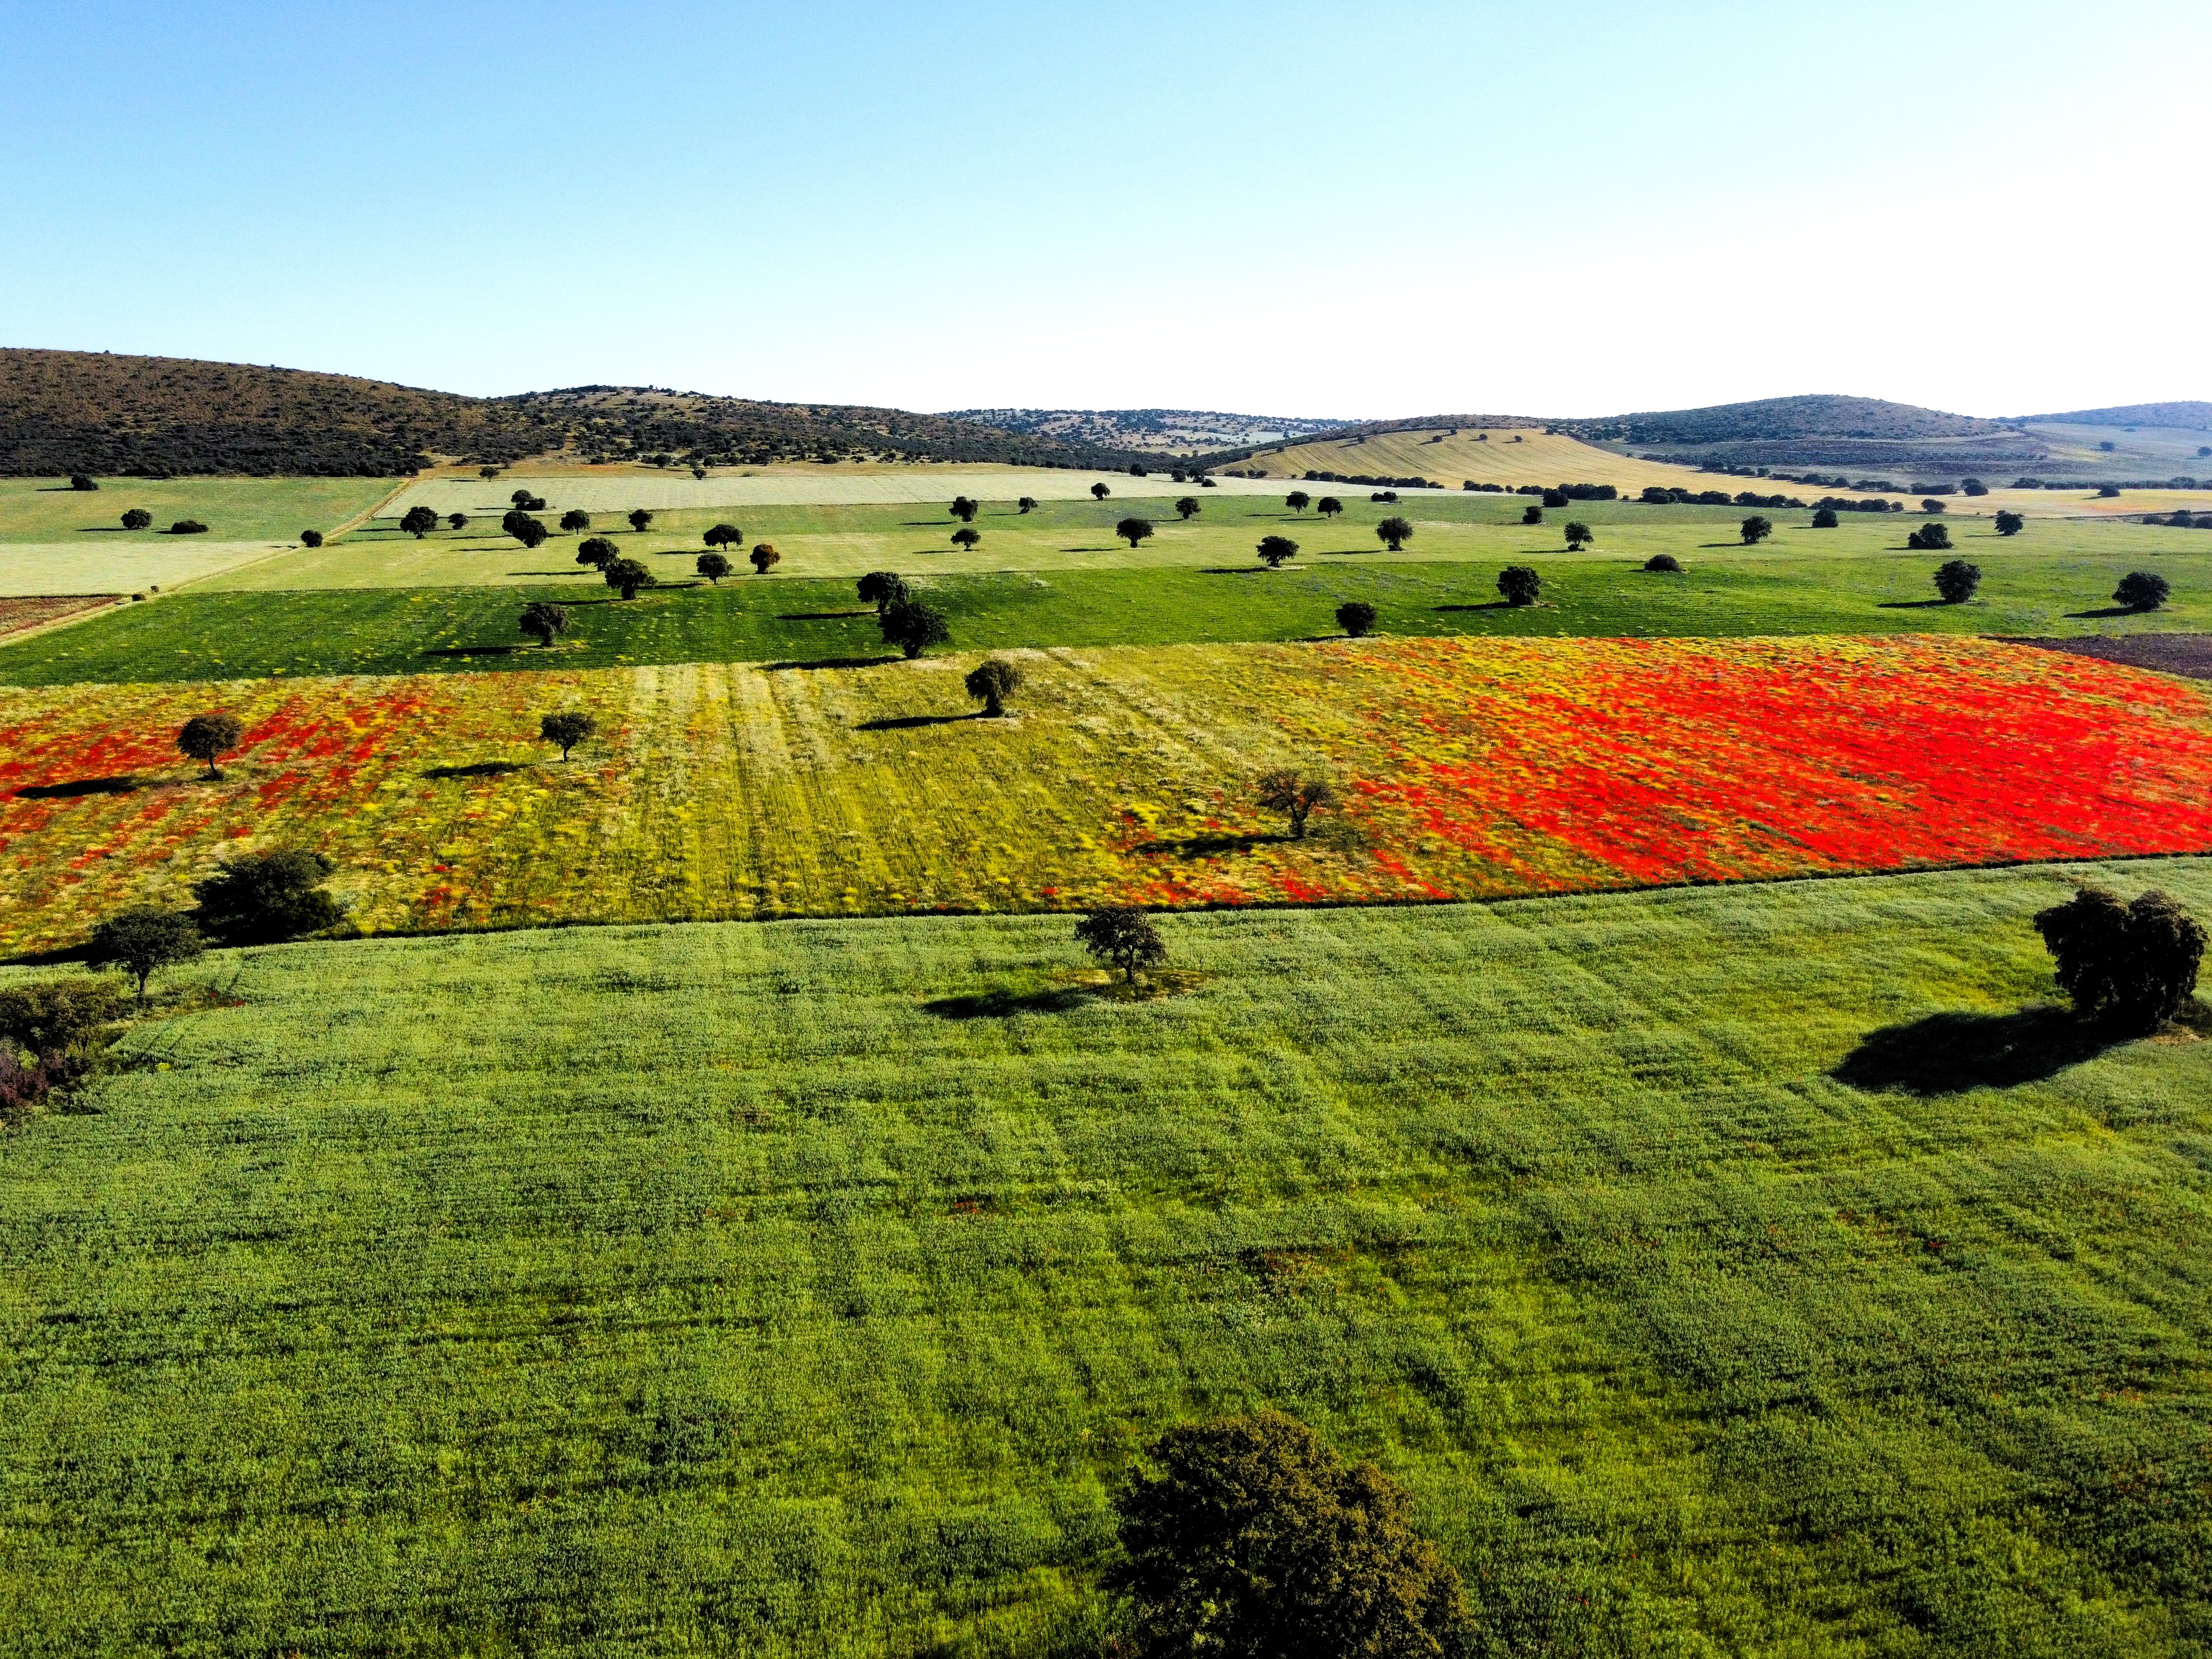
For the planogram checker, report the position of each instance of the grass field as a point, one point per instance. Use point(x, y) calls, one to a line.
point(233, 509)
point(1468, 770)
point(20, 616)
point(1734, 1271)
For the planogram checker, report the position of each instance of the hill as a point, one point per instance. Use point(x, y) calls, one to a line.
point(105, 414)
point(1156, 431)
point(2194, 417)
point(1508, 454)
point(1821, 416)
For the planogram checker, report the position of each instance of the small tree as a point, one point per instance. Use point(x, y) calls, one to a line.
point(456, 521)
point(256, 898)
point(81, 481)
point(544, 619)
point(1275, 551)
point(2142, 590)
point(963, 509)
point(1028, 503)
point(1395, 531)
point(1133, 530)
point(2133, 964)
point(597, 551)
point(1929, 504)
point(1255, 1540)
point(207, 738)
point(1099, 492)
point(763, 557)
point(725, 535)
point(1285, 789)
point(567, 729)
point(1930, 539)
point(1124, 937)
point(2010, 523)
point(1972, 487)
point(575, 519)
point(640, 520)
point(522, 499)
point(1532, 513)
point(1756, 529)
point(1187, 508)
point(1665, 563)
point(883, 590)
point(1298, 501)
point(966, 537)
point(1356, 617)
point(188, 527)
point(311, 538)
point(991, 682)
point(713, 566)
point(627, 577)
point(144, 939)
point(1520, 585)
point(1956, 580)
point(526, 529)
point(137, 519)
point(1824, 518)
point(1328, 506)
point(1555, 498)
point(913, 627)
point(1579, 536)
point(487, 472)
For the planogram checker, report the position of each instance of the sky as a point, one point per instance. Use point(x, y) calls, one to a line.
point(1548, 207)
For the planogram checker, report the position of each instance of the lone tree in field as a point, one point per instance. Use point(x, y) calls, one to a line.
point(2134, 964)
point(1532, 513)
point(137, 519)
point(1275, 551)
point(1123, 937)
point(725, 535)
point(966, 537)
point(521, 498)
point(1395, 531)
point(763, 557)
point(1520, 585)
point(1356, 617)
point(543, 619)
point(913, 627)
point(1930, 538)
point(963, 509)
point(567, 729)
point(1187, 508)
point(1756, 529)
point(597, 551)
point(1579, 536)
point(2142, 590)
point(142, 940)
point(1929, 504)
point(257, 898)
point(311, 538)
point(1328, 506)
point(991, 682)
point(2010, 523)
point(627, 577)
point(1099, 492)
point(1956, 580)
point(640, 520)
point(1028, 503)
point(1255, 1540)
point(882, 589)
point(1826, 519)
point(207, 738)
point(81, 481)
point(1298, 501)
point(1133, 530)
point(456, 521)
point(1285, 789)
point(1664, 563)
point(575, 519)
point(713, 566)
point(419, 522)
point(524, 529)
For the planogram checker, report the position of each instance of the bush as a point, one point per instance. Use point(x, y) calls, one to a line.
point(882, 589)
point(81, 481)
point(713, 566)
point(188, 527)
point(142, 940)
point(258, 898)
point(1973, 487)
point(1277, 550)
point(311, 538)
point(1133, 530)
point(51, 1017)
point(1555, 498)
point(1099, 492)
point(456, 521)
point(567, 729)
point(138, 519)
point(965, 509)
point(1930, 539)
point(1956, 580)
point(1532, 513)
point(543, 619)
point(1665, 562)
point(2142, 590)
point(1028, 503)
point(1395, 531)
point(627, 577)
point(913, 627)
point(2010, 523)
point(1285, 790)
point(640, 520)
point(991, 682)
point(208, 738)
point(1356, 617)
point(1756, 529)
point(1255, 1540)
point(1929, 504)
point(1520, 585)
point(2134, 965)
point(1384, 498)
point(1123, 937)
point(1579, 536)
point(763, 557)
point(1824, 518)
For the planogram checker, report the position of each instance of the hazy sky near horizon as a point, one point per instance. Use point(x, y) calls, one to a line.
point(1578, 207)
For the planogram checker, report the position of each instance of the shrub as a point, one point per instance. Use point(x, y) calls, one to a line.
point(1187, 508)
point(1956, 580)
point(188, 527)
point(966, 537)
point(627, 576)
point(1123, 937)
point(640, 520)
point(1277, 550)
point(1555, 498)
point(882, 589)
point(1756, 529)
point(1099, 492)
point(1284, 789)
point(49, 1017)
point(1532, 513)
point(913, 627)
point(575, 519)
point(2010, 523)
point(456, 521)
point(1133, 530)
point(521, 498)
point(81, 481)
point(1384, 498)
point(256, 898)
point(713, 566)
point(138, 519)
point(207, 738)
point(1664, 561)
point(597, 551)
point(2110, 492)
point(1929, 504)
point(1395, 531)
point(543, 619)
point(142, 940)
point(1579, 536)
point(1930, 539)
point(1298, 501)
point(991, 682)
point(1824, 518)
point(964, 510)
point(567, 729)
point(1255, 1540)
point(1519, 584)
point(1028, 503)
point(2142, 590)
point(1973, 487)
point(2132, 964)
point(1356, 617)
point(763, 557)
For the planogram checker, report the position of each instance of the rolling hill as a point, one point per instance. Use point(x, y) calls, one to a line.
point(1156, 431)
point(2192, 417)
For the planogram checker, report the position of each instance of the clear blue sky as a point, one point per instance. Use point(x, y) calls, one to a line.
point(1572, 206)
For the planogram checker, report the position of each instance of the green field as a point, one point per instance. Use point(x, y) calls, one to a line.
point(1755, 1270)
point(233, 509)
point(222, 635)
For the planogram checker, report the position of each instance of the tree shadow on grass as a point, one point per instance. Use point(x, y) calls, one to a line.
point(2109, 611)
point(1494, 604)
point(121, 784)
point(1235, 570)
point(1948, 1053)
point(480, 769)
point(475, 650)
point(829, 662)
point(1005, 1005)
point(1915, 605)
point(908, 722)
point(826, 616)
point(1205, 847)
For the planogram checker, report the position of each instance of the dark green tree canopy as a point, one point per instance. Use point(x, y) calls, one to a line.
point(2142, 590)
point(1664, 562)
point(543, 618)
point(627, 577)
point(1298, 501)
point(991, 682)
point(1123, 936)
point(2010, 523)
point(567, 729)
point(913, 627)
point(1520, 585)
point(1756, 529)
point(1956, 580)
point(2134, 964)
point(725, 535)
point(311, 538)
point(596, 550)
point(1395, 531)
point(137, 519)
point(1579, 535)
point(575, 519)
point(713, 566)
point(141, 941)
point(883, 589)
point(257, 898)
point(1275, 551)
point(1356, 617)
point(1187, 507)
point(967, 535)
point(965, 509)
point(207, 738)
point(1532, 513)
point(1133, 530)
point(765, 556)
point(640, 520)
point(1824, 518)
point(1028, 503)
point(1328, 506)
